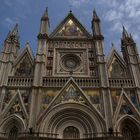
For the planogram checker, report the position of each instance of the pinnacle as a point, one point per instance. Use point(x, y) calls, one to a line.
point(45, 15)
point(15, 30)
point(125, 33)
point(27, 43)
point(95, 16)
point(70, 11)
point(112, 44)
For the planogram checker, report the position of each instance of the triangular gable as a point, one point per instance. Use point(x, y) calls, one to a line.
point(23, 66)
point(71, 93)
point(15, 105)
point(113, 53)
point(26, 52)
point(125, 106)
point(70, 27)
point(116, 65)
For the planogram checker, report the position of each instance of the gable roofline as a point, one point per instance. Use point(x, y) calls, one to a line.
point(27, 50)
point(114, 52)
point(69, 82)
point(70, 15)
point(11, 102)
point(124, 96)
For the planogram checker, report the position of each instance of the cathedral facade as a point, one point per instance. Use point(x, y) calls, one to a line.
point(70, 89)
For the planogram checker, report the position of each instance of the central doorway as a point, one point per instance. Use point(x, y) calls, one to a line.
point(71, 132)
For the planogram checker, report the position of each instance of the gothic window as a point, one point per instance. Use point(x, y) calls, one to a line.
point(49, 62)
point(24, 68)
point(91, 62)
point(13, 134)
point(92, 73)
point(49, 72)
point(71, 132)
point(116, 70)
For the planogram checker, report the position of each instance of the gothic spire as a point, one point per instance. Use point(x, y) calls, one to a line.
point(13, 33)
point(45, 24)
point(96, 24)
point(125, 33)
point(45, 15)
point(95, 16)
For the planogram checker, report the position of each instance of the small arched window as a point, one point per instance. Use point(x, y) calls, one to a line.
point(13, 133)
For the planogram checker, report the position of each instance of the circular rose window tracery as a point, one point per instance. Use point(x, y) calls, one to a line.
point(70, 62)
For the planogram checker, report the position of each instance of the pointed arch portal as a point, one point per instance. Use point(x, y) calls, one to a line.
point(13, 134)
point(129, 129)
point(71, 121)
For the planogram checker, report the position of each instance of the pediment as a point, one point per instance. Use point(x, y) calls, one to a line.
point(71, 93)
point(25, 53)
point(16, 106)
point(114, 54)
point(70, 27)
point(23, 66)
point(125, 107)
point(116, 65)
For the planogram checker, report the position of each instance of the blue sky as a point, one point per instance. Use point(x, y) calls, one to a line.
point(113, 14)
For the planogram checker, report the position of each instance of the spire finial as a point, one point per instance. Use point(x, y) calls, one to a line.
point(70, 11)
point(112, 44)
point(70, 6)
point(15, 30)
point(27, 45)
point(125, 33)
point(13, 33)
point(45, 15)
point(95, 16)
point(45, 23)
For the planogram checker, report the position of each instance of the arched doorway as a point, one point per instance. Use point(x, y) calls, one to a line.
point(12, 126)
point(129, 129)
point(73, 114)
point(71, 132)
point(13, 133)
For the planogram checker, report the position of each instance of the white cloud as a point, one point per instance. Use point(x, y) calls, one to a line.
point(117, 26)
point(125, 13)
point(113, 15)
point(78, 3)
point(8, 3)
point(9, 21)
point(121, 12)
